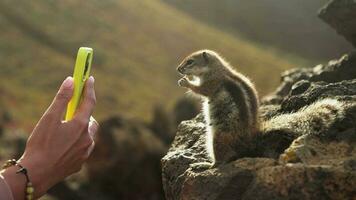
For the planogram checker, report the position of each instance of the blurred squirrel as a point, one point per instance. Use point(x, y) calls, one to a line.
point(230, 106)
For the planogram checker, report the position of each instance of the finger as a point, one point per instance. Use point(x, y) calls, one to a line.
point(93, 127)
point(63, 96)
point(86, 108)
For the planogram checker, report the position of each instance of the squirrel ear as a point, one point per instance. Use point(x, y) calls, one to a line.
point(205, 56)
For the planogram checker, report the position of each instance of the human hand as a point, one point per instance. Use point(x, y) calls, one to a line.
point(56, 148)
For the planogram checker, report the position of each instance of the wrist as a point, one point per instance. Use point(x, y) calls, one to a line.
point(38, 175)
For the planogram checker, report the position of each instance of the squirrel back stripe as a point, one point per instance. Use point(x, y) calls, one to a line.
point(251, 94)
point(241, 102)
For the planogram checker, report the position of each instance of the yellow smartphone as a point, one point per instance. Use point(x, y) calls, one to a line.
point(80, 75)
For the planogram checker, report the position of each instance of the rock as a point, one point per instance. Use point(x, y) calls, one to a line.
point(341, 15)
point(184, 109)
point(334, 71)
point(319, 90)
point(280, 165)
point(125, 163)
point(162, 125)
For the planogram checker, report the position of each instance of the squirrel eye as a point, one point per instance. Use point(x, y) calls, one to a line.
point(190, 61)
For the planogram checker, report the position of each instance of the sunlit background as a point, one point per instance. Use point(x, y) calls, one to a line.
point(137, 46)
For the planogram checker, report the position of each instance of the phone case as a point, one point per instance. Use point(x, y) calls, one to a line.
point(80, 75)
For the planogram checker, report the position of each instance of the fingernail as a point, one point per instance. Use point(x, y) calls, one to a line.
point(93, 120)
point(92, 129)
point(91, 148)
point(68, 82)
point(91, 79)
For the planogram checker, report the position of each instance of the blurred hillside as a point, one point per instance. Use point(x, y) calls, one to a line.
point(291, 26)
point(137, 46)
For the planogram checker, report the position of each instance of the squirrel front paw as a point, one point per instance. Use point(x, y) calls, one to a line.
point(183, 82)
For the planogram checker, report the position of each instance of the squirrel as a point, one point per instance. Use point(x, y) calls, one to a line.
point(231, 104)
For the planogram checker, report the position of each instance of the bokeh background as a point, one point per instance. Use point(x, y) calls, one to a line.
point(137, 46)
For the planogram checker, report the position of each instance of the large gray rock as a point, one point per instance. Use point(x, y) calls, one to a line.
point(281, 165)
point(341, 15)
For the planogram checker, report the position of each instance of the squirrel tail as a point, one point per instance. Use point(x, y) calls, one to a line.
point(313, 119)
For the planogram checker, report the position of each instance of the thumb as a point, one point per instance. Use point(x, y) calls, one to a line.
point(62, 97)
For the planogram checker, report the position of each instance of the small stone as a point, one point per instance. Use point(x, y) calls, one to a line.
point(300, 87)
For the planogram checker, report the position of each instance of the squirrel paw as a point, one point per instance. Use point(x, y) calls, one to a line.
point(200, 166)
point(183, 82)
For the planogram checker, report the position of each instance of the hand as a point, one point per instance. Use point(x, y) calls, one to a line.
point(57, 149)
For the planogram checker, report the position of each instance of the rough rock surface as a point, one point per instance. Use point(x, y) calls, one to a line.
point(300, 167)
point(341, 15)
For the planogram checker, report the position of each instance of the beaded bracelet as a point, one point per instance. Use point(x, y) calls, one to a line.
point(29, 191)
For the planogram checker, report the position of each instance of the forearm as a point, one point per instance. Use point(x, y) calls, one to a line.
point(5, 191)
point(17, 181)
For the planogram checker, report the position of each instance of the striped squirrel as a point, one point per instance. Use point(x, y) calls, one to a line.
point(230, 102)
point(230, 107)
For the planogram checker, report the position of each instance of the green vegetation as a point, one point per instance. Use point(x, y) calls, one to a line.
point(137, 44)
